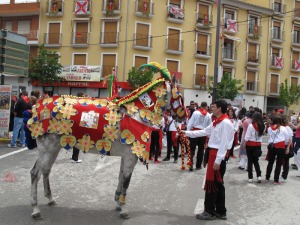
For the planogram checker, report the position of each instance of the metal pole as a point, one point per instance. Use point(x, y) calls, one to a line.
point(214, 97)
point(2, 79)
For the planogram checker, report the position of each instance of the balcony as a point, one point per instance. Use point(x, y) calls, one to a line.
point(111, 8)
point(82, 8)
point(278, 35)
point(252, 59)
point(229, 55)
point(296, 14)
point(80, 39)
point(175, 14)
point(109, 39)
point(251, 87)
point(254, 31)
point(276, 62)
point(296, 39)
point(279, 9)
point(144, 9)
point(174, 46)
point(24, 8)
point(55, 8)
point(230, 26)
point(52, 40)
point(295, 65)
point(202, 51)
point(204, 21)
point(201, 81)
point(142, 42)
point(274, 89)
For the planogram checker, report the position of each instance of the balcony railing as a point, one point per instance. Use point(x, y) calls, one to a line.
point(296, 38)
point(55, 8)
point(253, 57)
point(229, 54)
point(274, 88)
point(202, 50)
point(174, 46)
point(204, 20)
point(80, 39)
point(175, 14)
point(144, 9)
point(111, 8)
point(295, 65)
point(201, 81)
point(142, 41)
point(254, 31)
point(109, 38)
point(31, 35)
point(82, 8)
point(276, 62)
point(279, 8)
point(278, 35)
point(52, 39)
point(251, 86)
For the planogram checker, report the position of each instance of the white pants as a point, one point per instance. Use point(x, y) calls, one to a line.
point(244, 161)
point(297, 159)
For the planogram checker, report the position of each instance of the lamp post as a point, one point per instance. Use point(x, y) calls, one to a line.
point(214, 96)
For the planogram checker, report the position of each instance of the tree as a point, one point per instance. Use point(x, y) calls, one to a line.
point(228, 88)
point(288, 94)
point(45, 67)
point(137, 78)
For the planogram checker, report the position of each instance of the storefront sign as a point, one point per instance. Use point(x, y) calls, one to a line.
point(81, 73)
point(5, 101)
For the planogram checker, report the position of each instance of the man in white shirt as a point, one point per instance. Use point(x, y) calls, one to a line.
point(221, 133)
point(199, 120)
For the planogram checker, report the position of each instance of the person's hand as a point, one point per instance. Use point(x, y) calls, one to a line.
point(216, 167)
point(182, 132)
point(287, 151)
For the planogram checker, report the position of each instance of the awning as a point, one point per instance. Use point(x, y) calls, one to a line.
point(232, 37)
point(81, 19)
point(111, 18)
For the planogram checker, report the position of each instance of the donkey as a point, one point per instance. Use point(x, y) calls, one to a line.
point(49, 145)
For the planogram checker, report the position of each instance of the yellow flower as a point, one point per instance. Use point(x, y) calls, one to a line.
point(145, 114)
point(59, 101)
point(131, 108)
point(159, 91)
point(103, 146)
point(67, 142)
point(36, 129)
point(53, 126)
point(65, 127)
point(113, 117)
point(138, 149)
point(30, 121)
point(110, 132)
point(156, 119)
point(99, 103)
point(85, 102)
point(145, 136)
point(127, 137)
point(85, 143)
point(112, 106)
point(175, 93)
point(68, 111)
point(35, 107)
point(46, 101)
point(160, 105)
point(71, 101)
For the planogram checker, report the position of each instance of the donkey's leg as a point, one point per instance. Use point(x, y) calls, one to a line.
point(120, 185)
point(35, 177)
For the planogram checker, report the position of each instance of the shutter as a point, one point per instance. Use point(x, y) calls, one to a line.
point(274, 84)
point(203, 10)
point(200, 72)
point(251, 52)
point(139, 60)
point(250, 76)
point(110, 32)
point(173, 39)
point(296, 28)
point(294, 80)
point(80, 59)
point(8, 25)
point(202, 43)
point(81, 33)
point(175, 2)
point(54, 33)
point(142, 33)
point(276, 24)
point(297, 9)
point(23, 27)
point(108, 63)
point(141, 5)
point(275, 52)
point(172, 66)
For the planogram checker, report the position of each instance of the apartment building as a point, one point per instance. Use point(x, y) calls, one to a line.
point(259, 43)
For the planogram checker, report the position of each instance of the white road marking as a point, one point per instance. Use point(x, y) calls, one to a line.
point(12, 153)
point(200, 206)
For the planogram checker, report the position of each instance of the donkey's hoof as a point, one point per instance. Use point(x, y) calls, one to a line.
point(119, 208)
point(52, 203)
point(37, 216)
point(124, 215)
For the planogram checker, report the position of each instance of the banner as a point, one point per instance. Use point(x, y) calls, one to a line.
point(5, 101)
point(81, 73)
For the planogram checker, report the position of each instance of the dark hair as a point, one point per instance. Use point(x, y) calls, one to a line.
point(250, 113)
point(277, 120)
point(257, 118)
point(221, 104)
point(79, 94)
point(203, 104)
point(284, 121)
point(25, 93)
point(233, 113)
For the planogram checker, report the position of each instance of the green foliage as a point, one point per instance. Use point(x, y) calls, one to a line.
point(45, 67)
point(137, 78)
point(288, 94)
point(228, 88)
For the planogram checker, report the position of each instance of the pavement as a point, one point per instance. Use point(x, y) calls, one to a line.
point(162, 195)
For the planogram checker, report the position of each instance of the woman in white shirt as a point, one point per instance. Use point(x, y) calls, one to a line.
point(253, 139)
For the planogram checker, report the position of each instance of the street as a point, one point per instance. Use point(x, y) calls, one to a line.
point(162, 195)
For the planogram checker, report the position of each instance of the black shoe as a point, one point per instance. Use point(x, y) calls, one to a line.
point(205, 216)
point(191, 168)
point(175, 160)
point(241, 168)
point(199, 168)
point(166, 159)
point(293, 165)
point(221, 216)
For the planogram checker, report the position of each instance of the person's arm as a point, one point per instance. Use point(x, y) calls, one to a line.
point(199, 133)
point(227, 135)
point(191, 121)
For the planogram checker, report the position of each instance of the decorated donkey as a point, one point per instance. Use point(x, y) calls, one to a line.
point(121, 127)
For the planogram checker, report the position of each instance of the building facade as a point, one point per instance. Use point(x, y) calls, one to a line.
point(259, 42)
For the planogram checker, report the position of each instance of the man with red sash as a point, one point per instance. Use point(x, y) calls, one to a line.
point(221, 133)
point(199, 120)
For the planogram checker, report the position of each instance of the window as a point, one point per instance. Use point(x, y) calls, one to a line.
point(253, 24)
point(296, 34)
point(274, 87)
point(294, 81)
point(297, 9)
point(108, 64)
point(23, 27)
point(173, 67)
point(142, 37)
point(140, 60)
point(25, 1)
point(252, 53)
point(229, 14)
point(203, 14)
point(55, 6)
point(111, 5)
point(202, 44)
point(8, 25)
point(174, 42)
point(2, 2)
point(278, 6)
point(200, 78)
point(81, 33)
point(251, 81)
point(54, 34)
point(228, 50)
point(276, 30)
point(295, 57)
point(79, 59)
point(110, 34)
point(228, 70)
point(175, 3)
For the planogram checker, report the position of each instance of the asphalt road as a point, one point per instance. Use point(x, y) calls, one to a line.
point(162, 195)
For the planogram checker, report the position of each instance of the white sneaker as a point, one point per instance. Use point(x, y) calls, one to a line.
point(250, 180)
point(282, 180)
point(259, 180)
point(298, 175)
point(78, 161)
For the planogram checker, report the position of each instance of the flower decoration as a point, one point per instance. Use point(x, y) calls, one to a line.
point(103, 146)
point(71, 101)
point(99, 103)
point(110, 132)
point(138, 149)
point(65, 127)
point(85, 143)
point(53, 126)
point(145, 114)
point(55, 110)
point(145, 137)
point(175, 93)
point(159, 91)
point(59, 101)
point(59, 116)
point(160, 106)
point(85, 102)
point(46, 101)
point(127, 137)
point(131, 108)
point(68, 111)
point(35, 107)
point(36, 129)
point(67, 141)
point(112, 106)
point(30, 121)
point(156, 119)
point(112, 117)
